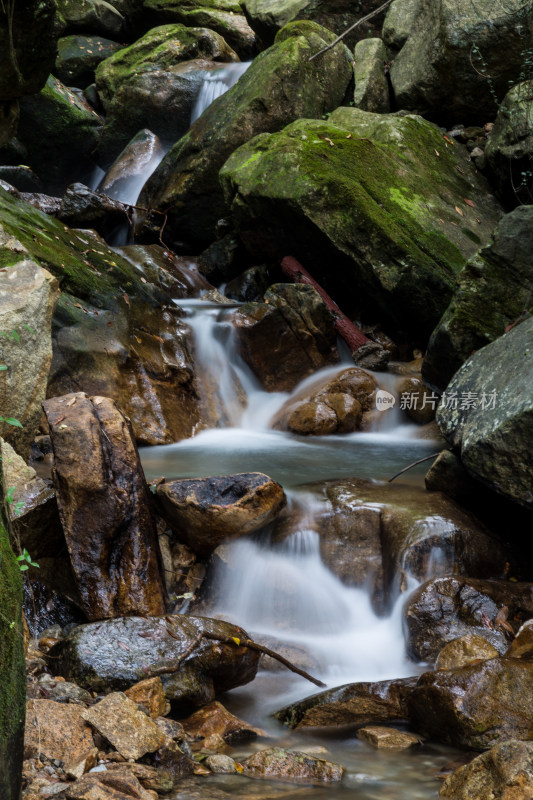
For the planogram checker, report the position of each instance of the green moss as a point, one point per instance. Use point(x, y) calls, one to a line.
point(12, 668)
point(84, 267)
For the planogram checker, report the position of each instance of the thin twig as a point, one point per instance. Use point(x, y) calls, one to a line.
point(350, 29)
point(420, 461)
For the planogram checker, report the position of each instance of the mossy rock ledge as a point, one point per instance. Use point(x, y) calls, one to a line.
point(380, 208)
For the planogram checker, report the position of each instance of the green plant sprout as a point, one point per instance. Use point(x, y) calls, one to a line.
point(25, 562)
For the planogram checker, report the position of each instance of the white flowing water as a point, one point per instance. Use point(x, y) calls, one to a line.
point(281, 592)
point(216, 82)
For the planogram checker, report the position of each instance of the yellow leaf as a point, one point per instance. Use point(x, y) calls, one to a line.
point(236, 640)
point(459, 211)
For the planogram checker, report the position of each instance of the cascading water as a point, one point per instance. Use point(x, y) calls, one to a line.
point(216, 82)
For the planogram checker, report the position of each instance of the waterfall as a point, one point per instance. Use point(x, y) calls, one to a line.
point(216, 82)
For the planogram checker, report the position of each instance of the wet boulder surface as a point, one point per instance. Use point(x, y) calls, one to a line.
point(113, 553)
point(118, 653)
point(207, 511)
point(503, 771)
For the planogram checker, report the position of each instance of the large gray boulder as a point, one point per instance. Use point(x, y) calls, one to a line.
point(495, 288)
point(377, 207)
point(492, 425)
point(280, 86)
point(509, 150)
point(460, 58)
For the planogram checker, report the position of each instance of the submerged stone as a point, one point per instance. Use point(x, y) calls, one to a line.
point(291, 765)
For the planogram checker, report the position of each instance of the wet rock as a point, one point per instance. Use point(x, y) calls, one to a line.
point(465, 650)
point(444, 609)
point(372, 355)
point(155, 780)
point(28, 295)
point(130, 731)
point(42, 202)
point(510, 146)
point(60, 691)
point(443, 66)
point(172, 760)
point(342, 398)
point(118, 653)
point(286, 338)
point(371, 85)
point(34, 35)
point(179, 277)
point(78, 56)
point(223, 259)
point(225, 17)
point(290, 86)
point(96, 460)
point(151, 695)
point(494, 436)
point(154, 82)
point(250, 285)
point(476, 705)
point(387, 738)
point(60, 132)
point(448, 475)
point(213, 723)
point(82, 208)
point(56, 730)
point(267, 17)
point(127, 174)
point(350, 155)
point(220, 764)
point(398, 24)
point(522, 645)
point(494, 290)
point(291, 765)
point(92, 16)
point(171, 728)
point(505, 770)
point(416, 532)
point(206, 511)
point(21, 177)
point(354, 705)
point(108, 785)
point(418, 401)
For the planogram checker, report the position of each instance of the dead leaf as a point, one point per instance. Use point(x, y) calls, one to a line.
point(126, 298)
point(327, 139)
point(469, 202)
point(437, 153)
point(459, 211)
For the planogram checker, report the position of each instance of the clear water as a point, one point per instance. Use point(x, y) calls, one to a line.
point(284, 591)
point(216, 82)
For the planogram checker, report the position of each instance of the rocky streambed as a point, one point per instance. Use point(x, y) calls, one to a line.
point(248, 275)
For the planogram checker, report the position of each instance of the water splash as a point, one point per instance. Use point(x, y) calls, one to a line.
point(216, 83)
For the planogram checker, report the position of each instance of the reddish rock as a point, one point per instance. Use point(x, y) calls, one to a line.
point(151, 695)
point(56, 730)
point(128, 729)
point(214, 721)
point(104, 507)
point(291, 765)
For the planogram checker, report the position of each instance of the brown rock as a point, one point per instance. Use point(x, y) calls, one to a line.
point(476, 705)
point(109, 785)
point(151, 695)
point(286, 338)
point(56, 730)
point(173, 760)
point(291, 765)
point(522, 645)
point(104, 507)
point(155, 780)
point(78, 767)
point(465, 650)
point(505, 772)
point(355, 705)
point(120, 721)
point(206, 511)
point(387, 738)
point(418, 402)
point(214, 720)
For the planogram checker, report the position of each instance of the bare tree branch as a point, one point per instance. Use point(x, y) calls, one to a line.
point(351, 28)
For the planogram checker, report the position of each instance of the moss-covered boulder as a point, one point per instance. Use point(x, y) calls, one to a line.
point(460, 58)
point(495, 289)
point(60, 132)
point(154, 82)
point(222, 16)
point(267, 16)
point(380, 209)
point(116, 332)
point(509, 150)
point(78, 56)
point(280, 86)
point(487, 414)
point(12, 667)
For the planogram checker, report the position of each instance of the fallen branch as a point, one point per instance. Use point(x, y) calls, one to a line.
point(350, 29)
point(420, 461)
point(351, 334)
point(174, 666)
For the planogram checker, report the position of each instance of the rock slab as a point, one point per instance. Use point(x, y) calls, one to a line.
point(128, 729)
